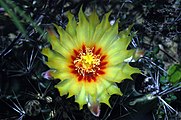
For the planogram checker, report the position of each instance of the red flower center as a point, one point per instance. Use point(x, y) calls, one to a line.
point(88, 63)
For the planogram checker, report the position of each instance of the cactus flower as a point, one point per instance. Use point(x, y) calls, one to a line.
point(88, 57)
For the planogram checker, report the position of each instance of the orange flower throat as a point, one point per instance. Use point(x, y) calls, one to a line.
point(88, 63)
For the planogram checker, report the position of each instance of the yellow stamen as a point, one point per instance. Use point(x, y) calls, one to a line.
point(87, 62)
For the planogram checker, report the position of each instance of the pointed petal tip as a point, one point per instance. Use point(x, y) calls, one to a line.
point(81, 105)
point(45, 51)
point(81, 98)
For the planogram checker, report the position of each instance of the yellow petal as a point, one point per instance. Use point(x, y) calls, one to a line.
point(113, 89)
point(82, 28)
point(109, 36)
point(72, 24)
point(81, 98)
point(125, 38)
point(101, 28)
point(106, 83)
point(90, 88)
point(127, 69)
point(115, 74)
point(55, 60)
point(93, 22)
point(76, 87)
point(64, 86)
point(66, 39)
point(102, 85)
point(113, 47)
point(62, 75)
point(52, 54)
point(53, 38)
point(119, 56)
point(104, 98)
point(56, 44)
point(46, 51)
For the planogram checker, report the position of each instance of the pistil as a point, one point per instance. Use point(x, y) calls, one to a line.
point(87, 62)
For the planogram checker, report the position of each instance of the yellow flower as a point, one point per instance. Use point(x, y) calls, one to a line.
point(89, 57)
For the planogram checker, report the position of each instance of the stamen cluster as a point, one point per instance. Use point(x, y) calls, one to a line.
point(87, 62)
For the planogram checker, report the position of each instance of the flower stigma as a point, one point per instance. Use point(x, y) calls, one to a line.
point(87, 63)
